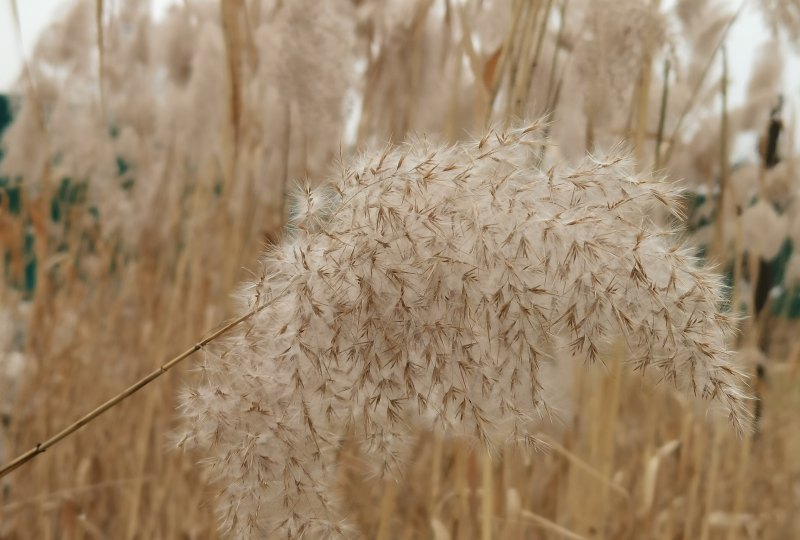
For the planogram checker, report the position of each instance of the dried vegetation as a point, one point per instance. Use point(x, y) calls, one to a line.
point(448, 327)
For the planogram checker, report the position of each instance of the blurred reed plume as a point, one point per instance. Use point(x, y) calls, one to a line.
point(444, 282)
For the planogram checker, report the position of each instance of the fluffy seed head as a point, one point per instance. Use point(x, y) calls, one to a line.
point(440, 282)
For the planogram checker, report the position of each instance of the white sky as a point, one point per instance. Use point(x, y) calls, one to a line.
point(35, 16)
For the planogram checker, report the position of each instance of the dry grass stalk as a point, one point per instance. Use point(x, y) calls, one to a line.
point(662, 115)
point(487, 496)
point(717, 247)
point(690, 102)
point(116, 400)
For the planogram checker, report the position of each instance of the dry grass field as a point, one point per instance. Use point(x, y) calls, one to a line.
point(498, 271)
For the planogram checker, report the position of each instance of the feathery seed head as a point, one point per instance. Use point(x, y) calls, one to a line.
point(437, 286)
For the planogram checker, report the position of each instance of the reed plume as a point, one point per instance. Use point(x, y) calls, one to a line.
point(443, 276)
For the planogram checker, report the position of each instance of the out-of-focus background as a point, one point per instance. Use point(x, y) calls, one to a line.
point(147, 155)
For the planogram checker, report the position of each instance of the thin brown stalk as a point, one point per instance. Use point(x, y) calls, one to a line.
point(71, 492)
point(693, 496)
point(554, 60)
point(284, 155)
point(794, 361)
point(605, 450)
point(662, 114)
point(437, 452)
point(40, 448)
point(101, 54)
point(724, 166)
point(415, 65)
point(742, 484)
point(462, 489)
point(641, 112)
point(518, 54)
point(452, 113)
point(552, 526)
point(699, 84)
point(487, 496)
point(754, 268)
point(539, 41)
point(387, 510)
point(645, 78)
point(233, 50)
point(517, 92)
point(250, 40)
point(712, 484)
point(582, 465)
point(149, 410)
point(505, 52)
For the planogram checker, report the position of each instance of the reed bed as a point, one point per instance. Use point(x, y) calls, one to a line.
point(159, 178)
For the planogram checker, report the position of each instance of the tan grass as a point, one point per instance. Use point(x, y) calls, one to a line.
point(217, 111)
